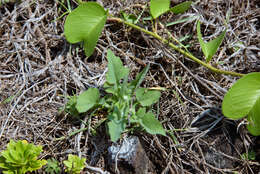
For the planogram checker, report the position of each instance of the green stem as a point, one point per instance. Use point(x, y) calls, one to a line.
point(71, 134)
point(187, 54)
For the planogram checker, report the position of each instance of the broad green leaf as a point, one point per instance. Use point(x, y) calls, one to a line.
point(85, 23)
point(254, 119)
point(116, 125)
point(158, 7)
point(147, 97)
point(242, 97)
point(139, 78)
point(87, 100)
point(151, 124)
point(181, 8)
point(116, 70)
point(115, 128)
point(211, 47)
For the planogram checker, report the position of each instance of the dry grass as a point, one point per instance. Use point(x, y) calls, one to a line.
point(39, 69)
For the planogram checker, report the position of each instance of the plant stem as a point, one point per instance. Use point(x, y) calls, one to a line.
point(176, 48)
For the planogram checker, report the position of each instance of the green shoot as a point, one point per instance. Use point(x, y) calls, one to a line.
point(74, 164)
point(211, 47)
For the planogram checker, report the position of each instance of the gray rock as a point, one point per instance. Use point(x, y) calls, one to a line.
point(129, 157)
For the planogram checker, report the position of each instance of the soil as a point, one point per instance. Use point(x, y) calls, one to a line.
point(39, 69)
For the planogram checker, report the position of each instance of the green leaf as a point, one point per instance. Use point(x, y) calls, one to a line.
point(87, 100)
point(147, 97)
point(158, 7)
point(116, 70)
point(70, 106)
point(74, 164)
point(254, 119)
point(139, 78)
point(140, 113)
point(115, 128)
point(251, 155)
point(182, 21)
point(211, 47)
point(151, 124)
point(242, 97)
point(85, 23)
point(181, 8)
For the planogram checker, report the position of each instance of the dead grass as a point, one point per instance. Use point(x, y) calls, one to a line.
point(39, 69)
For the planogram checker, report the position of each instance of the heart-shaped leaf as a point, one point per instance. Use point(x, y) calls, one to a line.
point(158, 7)
point(147, 97)
point(116, 70)
point(85, 23)
point(87, 100)
point(243, 98)
point(181, 8)
point(211, 47)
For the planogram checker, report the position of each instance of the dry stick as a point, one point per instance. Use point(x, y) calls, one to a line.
point(188, 55)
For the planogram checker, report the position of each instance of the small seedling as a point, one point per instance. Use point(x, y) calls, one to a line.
point(249, 156)
point(21, 157)
point(52, 166)
point(211, 47)
point(70, 106)
point(74, 164)
point(243, 99)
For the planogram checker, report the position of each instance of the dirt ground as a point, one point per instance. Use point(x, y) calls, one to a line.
point(39, 69)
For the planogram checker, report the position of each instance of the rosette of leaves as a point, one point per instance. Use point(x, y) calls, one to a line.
point(21, 157)
point(126, 103)
point(74, 164)
point(52, 166)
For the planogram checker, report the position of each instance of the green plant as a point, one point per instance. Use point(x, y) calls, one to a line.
point(124, 102)
point(74, 164)
point(52, 166)
point(70, 106)
point(159, 7)
point(243, 99)
point(249, 156)
point(209, 48)
point(85, 23)
point(21, 157)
